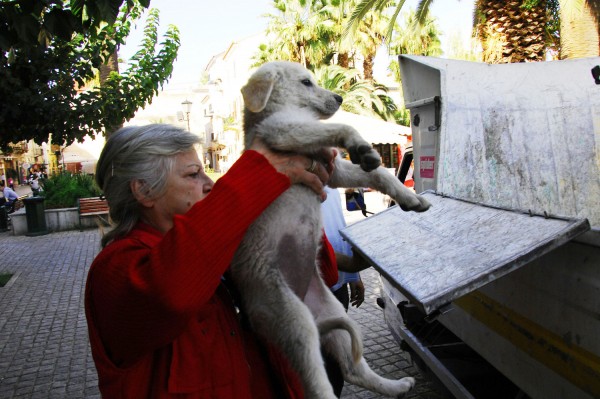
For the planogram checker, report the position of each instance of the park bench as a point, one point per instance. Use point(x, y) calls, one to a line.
point(92, 207)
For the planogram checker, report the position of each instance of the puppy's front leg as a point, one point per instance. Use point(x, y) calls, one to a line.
point(309, 136)
point(347, 174)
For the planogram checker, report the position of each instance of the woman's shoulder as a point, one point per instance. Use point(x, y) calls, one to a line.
point(141, 238)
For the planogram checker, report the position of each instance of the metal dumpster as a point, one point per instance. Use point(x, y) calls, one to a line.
point(507, 262)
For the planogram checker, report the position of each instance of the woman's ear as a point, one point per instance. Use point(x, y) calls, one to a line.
point(140, 193)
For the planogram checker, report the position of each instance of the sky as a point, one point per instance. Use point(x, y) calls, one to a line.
point(207, 28)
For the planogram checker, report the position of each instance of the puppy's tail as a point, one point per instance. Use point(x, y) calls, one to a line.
point(343, 323)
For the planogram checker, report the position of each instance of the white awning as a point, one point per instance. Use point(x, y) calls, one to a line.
point(77, 153)
point(375, 131)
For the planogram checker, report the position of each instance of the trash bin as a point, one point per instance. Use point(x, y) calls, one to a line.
point(3, 219)
point(36, 216)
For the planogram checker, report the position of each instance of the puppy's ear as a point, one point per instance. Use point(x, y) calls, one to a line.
point(257, 91)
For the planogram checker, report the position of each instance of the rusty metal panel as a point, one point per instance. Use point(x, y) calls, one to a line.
point(455, 247)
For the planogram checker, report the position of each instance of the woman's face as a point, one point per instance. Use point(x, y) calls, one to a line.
point(186, 185)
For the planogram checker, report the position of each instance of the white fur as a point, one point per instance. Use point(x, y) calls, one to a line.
point(275, 267)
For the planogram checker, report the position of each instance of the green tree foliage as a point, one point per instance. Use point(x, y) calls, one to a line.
point(368, 38)
point(310, 32)
point(301, 31)
point(50, 49)
point(415, 39)
point(29, 23)
point(361, 96)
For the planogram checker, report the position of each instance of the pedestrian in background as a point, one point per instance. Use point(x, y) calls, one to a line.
point(34, 183)
point(349, 288)
point(10, 197)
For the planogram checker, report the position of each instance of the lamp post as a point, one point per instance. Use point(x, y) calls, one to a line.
point(187, 108)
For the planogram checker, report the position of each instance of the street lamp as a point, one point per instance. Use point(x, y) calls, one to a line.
point(187, 108)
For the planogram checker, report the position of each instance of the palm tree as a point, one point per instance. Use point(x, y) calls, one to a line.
point(368, 38)
point(311, 32)
point(300, 31)
point(509, 31)
point(415, 38)
point(580, 25)
point(579, 28)
point(344, 46)
point(360, 96)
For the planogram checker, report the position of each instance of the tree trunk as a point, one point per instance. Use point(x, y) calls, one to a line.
point(511, 33)
point(343, 60)
point(112, 64)
point(368, 66)
point(579, 29)
point(302, 56)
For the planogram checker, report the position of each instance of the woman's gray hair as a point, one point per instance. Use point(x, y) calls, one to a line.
point(142, 153)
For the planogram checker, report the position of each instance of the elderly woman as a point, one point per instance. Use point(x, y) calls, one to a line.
point(161, 317)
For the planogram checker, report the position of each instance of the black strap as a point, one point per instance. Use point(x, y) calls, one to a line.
point(363, 210)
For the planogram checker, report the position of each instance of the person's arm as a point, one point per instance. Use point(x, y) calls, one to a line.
point(13, 196)
point(143, 298)
point(351, 264)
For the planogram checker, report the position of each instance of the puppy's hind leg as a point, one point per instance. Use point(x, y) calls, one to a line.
point(287, 323)
point(341, 343)
point(337, 344)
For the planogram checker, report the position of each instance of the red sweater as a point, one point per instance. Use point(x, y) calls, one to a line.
point(162, 324)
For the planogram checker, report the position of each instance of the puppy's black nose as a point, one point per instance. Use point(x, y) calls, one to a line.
point(339, 99)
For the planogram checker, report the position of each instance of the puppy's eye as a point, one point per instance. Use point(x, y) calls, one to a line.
point(306, 82)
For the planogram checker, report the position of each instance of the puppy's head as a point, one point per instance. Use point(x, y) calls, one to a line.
point(283, 85)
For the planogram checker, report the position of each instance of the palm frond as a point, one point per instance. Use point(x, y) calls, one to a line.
point(423, 10)
point(359, 13)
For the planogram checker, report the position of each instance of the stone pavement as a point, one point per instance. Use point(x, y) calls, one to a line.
point(381, 350)
point(44, 349)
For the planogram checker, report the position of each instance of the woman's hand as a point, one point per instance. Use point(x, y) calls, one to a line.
point(296, 167)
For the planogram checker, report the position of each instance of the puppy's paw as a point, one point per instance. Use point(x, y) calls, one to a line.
point(406, 384)
point(365, 156)
point(416, 203)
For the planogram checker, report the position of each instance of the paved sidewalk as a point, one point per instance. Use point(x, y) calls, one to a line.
point(44, 349)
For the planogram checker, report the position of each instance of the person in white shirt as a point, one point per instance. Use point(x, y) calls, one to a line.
point(348, 267)
point(34, 182)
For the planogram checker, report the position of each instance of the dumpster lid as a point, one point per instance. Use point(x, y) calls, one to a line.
point(455, 247)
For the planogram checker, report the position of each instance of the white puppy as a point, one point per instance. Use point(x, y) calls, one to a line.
point(275, 267)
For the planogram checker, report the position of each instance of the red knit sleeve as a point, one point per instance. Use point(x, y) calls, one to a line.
point(290, 380)
point(142, 297)
point(329, 269)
